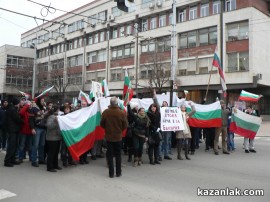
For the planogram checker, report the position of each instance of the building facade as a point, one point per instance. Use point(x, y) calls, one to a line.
point(16, 67)
point(99, 41)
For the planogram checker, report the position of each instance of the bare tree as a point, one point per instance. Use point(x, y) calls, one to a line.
point(157, 72)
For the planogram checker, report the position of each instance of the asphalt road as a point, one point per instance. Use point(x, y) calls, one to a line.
point(171, 181)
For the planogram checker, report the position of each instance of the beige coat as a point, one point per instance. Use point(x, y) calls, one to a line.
point(183, 134)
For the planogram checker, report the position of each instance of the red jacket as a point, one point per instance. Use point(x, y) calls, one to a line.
point(28, 118)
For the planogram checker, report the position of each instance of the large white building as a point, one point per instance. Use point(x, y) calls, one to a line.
point(98, 41)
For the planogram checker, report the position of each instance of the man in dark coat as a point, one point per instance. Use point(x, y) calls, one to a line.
point(114, 121)
point(13, 124)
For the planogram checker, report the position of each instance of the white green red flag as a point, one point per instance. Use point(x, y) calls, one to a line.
point(84, 96)
point(206, 116)
point(45, 92)
point(26, 95)
point(250, 97)
point(105, 88)
point(127, 92)
point(244, 124)
point(81, 128)
point(217, 63)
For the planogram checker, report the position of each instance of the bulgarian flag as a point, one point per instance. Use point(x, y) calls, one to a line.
point(105, 88)
point(250, 97)
point(216, 63)
point(245, 125)
point(84, 96)
point(206, 116)
point(26, 95)
point(127, 92)
point(80, 129)
point(45, 92)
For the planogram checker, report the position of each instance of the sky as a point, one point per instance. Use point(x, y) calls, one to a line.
point(13, 25)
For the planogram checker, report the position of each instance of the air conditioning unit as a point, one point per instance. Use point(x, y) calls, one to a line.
point(151, 5)
point(111, 17)
point(93, 25)
point(159, 3)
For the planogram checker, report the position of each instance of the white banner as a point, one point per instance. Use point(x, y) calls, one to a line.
point(97, 89)
point(171, 119)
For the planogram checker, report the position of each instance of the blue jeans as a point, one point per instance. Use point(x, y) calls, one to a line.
point(25, 143)
point(38, 145)
point(164, 145)
point(230, 141)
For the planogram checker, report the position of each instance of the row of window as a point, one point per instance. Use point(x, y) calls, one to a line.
point(96, 56)
point(146, 23)
point(19, 81)
point(19, 62)
point(200, 37)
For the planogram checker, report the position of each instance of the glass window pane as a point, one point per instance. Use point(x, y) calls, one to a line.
point(243, 61)
point(232, 62)
point(192, 39)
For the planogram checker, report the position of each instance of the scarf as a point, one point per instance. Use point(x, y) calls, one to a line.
point(144, 117)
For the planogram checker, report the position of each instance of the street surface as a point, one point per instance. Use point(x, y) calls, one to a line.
point(171, 181)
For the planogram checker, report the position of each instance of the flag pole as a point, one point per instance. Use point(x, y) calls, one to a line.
point(208, 82)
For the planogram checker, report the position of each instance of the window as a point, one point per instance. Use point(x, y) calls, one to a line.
point(102, 55)
point(75, 26)
point(182, 15)
point(199, 37)
point(164, 44)
point(238, 62)
point(204, 64)
point(46, 37)
point(162, 21)
point(100, 76)
point(75, 61)
point(230, 5)
point(203, 37)
point(75, 78)
point(153, 23)
point(80, 42)
point(205, 10)
point(90, 39)
point(192, 39)
point(183, 41)
point(96, 38)
point(213, 35)
point(114, 34)
point(144, 25)
point(75, 43)
point(123, 51)
point(92, 57)
point(216, 7)
point(170, 18)
point(116, 74)
point(128, 30)
point(58, 64)
point(145, 3)
point(92, 19)
point(102, 36)
point(192, 13)
point(237, 31)
point(122, 31)
point(116, 11)
point(148, 46)
point(102, 16)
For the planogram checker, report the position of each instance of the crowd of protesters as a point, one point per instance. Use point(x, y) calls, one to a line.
point(30, 129)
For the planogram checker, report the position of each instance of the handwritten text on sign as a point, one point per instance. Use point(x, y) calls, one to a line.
point(171, 119)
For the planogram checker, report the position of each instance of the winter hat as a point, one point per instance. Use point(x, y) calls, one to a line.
point(133, 105)
point(15, 101)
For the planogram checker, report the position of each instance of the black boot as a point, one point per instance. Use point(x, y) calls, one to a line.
point(186, 152)
point(179, 149)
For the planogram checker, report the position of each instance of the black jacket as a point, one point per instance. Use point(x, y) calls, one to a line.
point(139, 125)
point(13, 120)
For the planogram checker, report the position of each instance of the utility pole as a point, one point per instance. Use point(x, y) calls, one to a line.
point(137, 53)
point(108, 53)
point(221, 38)
point(34, 67)
point(173, 51)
